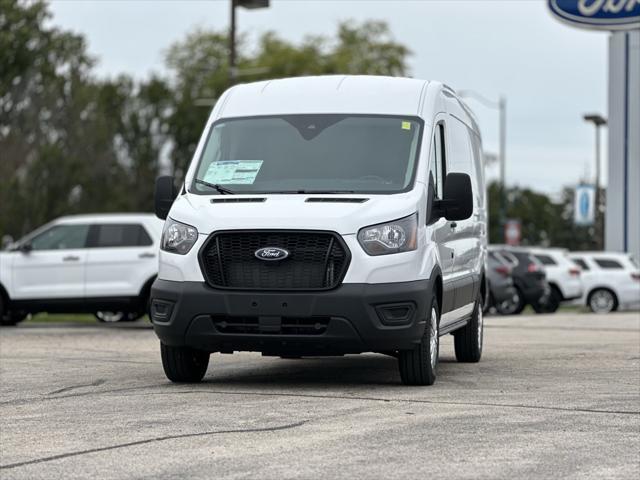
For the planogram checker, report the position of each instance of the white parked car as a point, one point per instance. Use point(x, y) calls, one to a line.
point(102, 264)
point(563, 276)
point(325, 216)
point(611, 280)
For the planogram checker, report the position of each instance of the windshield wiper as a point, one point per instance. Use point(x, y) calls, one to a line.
point(221, 190)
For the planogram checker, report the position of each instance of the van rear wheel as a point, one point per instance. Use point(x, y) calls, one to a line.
point(469, 339)
point(184, 364)
point(418, 365)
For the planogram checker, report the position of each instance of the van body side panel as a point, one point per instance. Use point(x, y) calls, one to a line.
point(467, 235)
point(439, 232)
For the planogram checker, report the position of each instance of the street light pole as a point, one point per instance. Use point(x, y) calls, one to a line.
point(501, 106)
point(598, 121)
point(249, 5)
point(232, 43)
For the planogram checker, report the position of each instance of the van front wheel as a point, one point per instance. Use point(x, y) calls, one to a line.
point(418, 366)
point(184, 364)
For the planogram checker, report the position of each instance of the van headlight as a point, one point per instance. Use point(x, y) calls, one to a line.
point(178, 237)
point(391, 237)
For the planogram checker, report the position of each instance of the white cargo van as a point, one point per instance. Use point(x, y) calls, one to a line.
point(326, 216)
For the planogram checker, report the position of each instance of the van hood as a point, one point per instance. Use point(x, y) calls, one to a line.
point(344, 214)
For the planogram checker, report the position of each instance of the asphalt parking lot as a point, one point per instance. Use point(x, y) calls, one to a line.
point(554, 396)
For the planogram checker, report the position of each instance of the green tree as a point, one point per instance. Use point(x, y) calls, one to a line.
point(544, 222)
point(70, 143)
point(367, 49)
point(45, 116)
point(140, 133)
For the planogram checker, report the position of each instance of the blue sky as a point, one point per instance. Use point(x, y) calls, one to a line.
point(550, 73)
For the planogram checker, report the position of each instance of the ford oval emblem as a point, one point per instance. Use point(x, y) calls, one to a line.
point(598, 14)
point(271, 254)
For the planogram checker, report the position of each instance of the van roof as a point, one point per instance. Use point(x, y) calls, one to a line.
point(358, 94)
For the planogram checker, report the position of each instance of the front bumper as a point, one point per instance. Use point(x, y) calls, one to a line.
point(352, 318)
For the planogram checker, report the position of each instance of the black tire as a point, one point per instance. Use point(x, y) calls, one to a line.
point(109, 317)
point(184, 364)
point(115, 317)
point(490, 303)
point(9, 318)
point(132, 316)
point(551, 304)
point(512, 308)
point(468, 340)
point(596, 306)
point(418, 366)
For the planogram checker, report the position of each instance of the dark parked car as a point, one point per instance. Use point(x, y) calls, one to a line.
point(502, 292)
point(529, 279)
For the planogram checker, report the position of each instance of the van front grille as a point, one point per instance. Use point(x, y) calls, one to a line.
point(316, 261)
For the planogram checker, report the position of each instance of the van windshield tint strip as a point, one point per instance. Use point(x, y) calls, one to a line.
point(310, 154)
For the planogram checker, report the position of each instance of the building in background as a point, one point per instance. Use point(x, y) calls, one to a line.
point(622, 227)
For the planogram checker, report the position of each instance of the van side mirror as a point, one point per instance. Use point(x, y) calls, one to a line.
point(164, 195)
point(457, 203)
point(25, 247)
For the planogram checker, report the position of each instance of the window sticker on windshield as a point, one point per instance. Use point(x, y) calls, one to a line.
point(236, 172)
point(406, 125)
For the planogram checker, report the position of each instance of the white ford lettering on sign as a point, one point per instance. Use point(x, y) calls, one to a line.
point(598, 14)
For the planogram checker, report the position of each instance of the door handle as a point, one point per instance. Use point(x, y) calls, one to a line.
point(147, 255)
point(453, 224)
point(70, 258)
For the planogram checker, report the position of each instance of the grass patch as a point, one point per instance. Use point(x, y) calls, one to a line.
point(62, 318)
point(73, 318)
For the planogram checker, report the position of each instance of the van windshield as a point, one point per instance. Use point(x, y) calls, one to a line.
point(309, 154)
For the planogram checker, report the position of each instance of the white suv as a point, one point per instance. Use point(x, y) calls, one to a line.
point(563, 277)
point(102, 264)
point(611, 280)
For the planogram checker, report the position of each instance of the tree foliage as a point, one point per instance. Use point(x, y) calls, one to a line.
point(543, 221)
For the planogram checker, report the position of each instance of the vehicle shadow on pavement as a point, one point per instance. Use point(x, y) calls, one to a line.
point(369, 369)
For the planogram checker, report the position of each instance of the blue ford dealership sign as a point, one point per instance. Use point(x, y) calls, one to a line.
point(584, 205)
point(598, 14)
